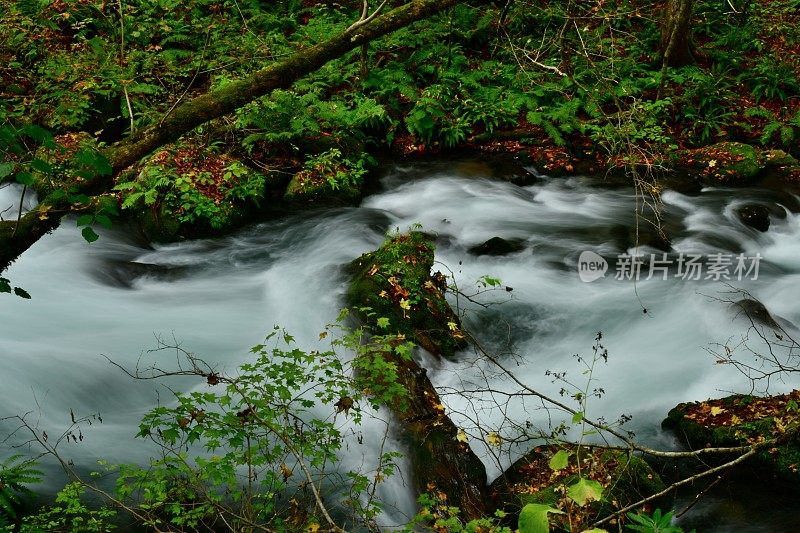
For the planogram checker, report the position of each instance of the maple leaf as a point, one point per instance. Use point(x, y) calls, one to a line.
point(461, 436)
point(712, 163)
point(715, 411)
point(404, 304)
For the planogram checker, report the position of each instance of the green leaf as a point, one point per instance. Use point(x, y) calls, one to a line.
point(533, 518)
point(6, 169)
point(383, 322)
point(25, 178)
point(89, 234)
point(22, 293)
point(104, 221)
point(585, 490)
point(5, 286)
point(577, 417)
point(560, 460)
point(84, 220)
point(594, 530)
point(41, 166)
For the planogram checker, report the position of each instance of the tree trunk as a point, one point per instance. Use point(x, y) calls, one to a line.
point(209, 106)
point(676, 33)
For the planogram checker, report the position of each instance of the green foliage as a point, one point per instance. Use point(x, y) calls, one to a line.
point(655, 523)
point(194, 195)
point(339, 171)
point(440, 517)
point(533, 518)
point(235, 449)
point(15, 474)
point(783, 130)
point(69, 514)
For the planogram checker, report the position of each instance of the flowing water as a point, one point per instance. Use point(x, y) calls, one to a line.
point(220, 296)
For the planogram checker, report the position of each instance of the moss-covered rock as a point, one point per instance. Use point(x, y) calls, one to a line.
point(308, 188)
point(395, 283)
point(624, 478)
point(742, 420)
point(726, 163)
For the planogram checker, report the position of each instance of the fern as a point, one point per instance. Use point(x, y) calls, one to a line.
point(15, 474)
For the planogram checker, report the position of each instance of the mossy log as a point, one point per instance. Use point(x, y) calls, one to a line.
point(395, 283)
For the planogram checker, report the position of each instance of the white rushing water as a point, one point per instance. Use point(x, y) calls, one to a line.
point(220, 296)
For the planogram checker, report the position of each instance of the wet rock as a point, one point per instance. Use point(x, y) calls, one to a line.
point(744, 420)
point(754, 215)
point(779, 159)
point(497, 246)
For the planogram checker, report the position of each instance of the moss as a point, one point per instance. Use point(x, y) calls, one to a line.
point(395, 283)
point(742, 420)
point(726, 163)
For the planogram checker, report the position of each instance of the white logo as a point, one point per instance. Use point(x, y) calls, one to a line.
point(591, 266)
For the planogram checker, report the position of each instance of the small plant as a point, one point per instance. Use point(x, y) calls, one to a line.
point(69, 514)
point(655, 523)
point(15, 474)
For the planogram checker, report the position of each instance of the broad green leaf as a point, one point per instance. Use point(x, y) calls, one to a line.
point(84, 220)
point(383, 322)
point(89, 234)
point(25, 178)
point(577, 417)
point(104, 221)
point(6, 169)
point(533, 518)
point(585, 490)
point(41, 166)
point(560, 460)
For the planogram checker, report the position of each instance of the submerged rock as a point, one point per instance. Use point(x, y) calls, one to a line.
point(497, 246)
point(754, 215)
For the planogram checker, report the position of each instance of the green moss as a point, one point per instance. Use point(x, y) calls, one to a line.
point(727, 163)
point(773, 420)
point(395, 283)
point(303, 189)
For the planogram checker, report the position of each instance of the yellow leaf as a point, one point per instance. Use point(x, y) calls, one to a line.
point(717, 411)
point(383, 294)
point(712, 163)
point(461, 436)
point(404, 304)
point(313, 528)
point(452, 325)
point(494, 439)
point(323, 335)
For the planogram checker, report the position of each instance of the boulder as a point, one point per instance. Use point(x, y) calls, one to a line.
point(754, 215)
point(726, 163)
point(743, 420)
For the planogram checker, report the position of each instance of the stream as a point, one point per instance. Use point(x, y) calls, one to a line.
point(218, 297)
